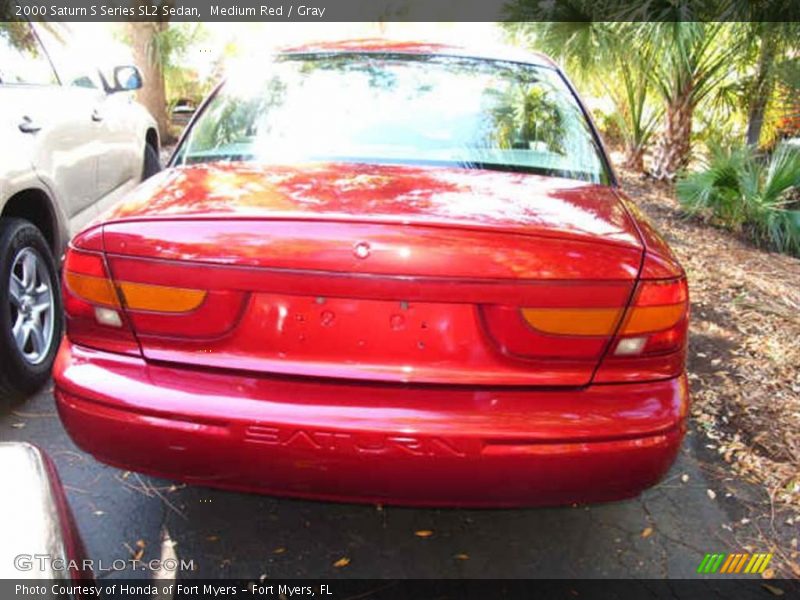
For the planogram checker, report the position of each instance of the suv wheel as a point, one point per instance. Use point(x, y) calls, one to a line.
point(30, 310)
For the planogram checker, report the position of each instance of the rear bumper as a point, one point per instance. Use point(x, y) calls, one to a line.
point(392, 444)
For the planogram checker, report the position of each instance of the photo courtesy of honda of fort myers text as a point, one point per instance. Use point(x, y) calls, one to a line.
point(399, 299)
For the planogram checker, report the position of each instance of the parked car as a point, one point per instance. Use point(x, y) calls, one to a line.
point(41, 540)
point(382, 272)
point(70, 149)
point(182, 113)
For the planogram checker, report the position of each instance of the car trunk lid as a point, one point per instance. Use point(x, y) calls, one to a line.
point(395, 274)
point(476, 199)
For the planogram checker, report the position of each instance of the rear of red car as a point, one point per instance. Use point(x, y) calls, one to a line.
point(375, 330)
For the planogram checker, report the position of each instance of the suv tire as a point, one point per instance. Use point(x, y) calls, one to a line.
point(31, 319)
point(152, 163)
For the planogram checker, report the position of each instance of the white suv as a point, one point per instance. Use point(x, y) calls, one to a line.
point(68, 150)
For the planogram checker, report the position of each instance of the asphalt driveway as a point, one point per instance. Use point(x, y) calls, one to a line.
point(664, 533)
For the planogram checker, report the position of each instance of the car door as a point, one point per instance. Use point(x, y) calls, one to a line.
point(119, 122)
point(114, 133)
point(15, 146)
point(122, 161)
point(53, 123)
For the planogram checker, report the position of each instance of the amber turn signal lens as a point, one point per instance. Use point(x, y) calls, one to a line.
point(644, 319)
point(96, 290)
point(573, 321)
point(160, 298)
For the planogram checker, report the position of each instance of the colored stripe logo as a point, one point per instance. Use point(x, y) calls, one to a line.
point(734, 563)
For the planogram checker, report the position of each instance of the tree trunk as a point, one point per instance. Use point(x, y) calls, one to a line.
point(634, 158)
point(674, 145)
point(762, 90)
point(153, 92)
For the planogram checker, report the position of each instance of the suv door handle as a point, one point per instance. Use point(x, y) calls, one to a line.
point(28, 125)
point(97, 116)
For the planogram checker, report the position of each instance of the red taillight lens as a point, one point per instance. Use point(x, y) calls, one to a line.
point(163, 299)
point(561, 321)
point(104, 311)
point(651, 342)
point(656, 321)
point(583, 323)
point(92, 306)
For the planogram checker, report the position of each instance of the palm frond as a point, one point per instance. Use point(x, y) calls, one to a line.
point(783, 174)
point(740, 189)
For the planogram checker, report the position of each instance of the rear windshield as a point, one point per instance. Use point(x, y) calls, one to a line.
point(421, 110)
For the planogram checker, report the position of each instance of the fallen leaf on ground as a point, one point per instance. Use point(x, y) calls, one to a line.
point(647, 532)
point(462, 556)
point(342, 562)
point(280, 550)
point(423, 533)
point(137, 554)
point(774, 590)
point(745, 321)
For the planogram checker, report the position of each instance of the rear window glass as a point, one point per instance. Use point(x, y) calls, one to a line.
point(399, 109)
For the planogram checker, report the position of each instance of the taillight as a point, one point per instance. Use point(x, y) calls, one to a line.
point(165, 299)
point(651, 341)
point(582, 324)
point(656, 321)
point(567, 321)
point(108, 305)
point(91, 303)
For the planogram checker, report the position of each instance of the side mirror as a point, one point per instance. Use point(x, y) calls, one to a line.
point(126, 79)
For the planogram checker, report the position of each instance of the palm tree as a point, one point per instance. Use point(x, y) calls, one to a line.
point(144, 40)
point(694, 59)
point(776, 45)
point(156, 45)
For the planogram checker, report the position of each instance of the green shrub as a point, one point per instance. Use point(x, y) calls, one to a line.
point(746, 192)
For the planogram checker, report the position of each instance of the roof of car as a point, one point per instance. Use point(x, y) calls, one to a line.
point(381, 46)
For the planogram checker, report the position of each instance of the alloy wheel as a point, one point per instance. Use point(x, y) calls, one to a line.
point(31, 303)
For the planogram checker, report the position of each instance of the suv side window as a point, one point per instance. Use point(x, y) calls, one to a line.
point(22, 58)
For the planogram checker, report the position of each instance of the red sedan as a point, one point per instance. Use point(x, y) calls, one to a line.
point(394, 273)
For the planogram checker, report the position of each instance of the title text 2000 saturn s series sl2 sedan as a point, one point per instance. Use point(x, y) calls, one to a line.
point(380, 272)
